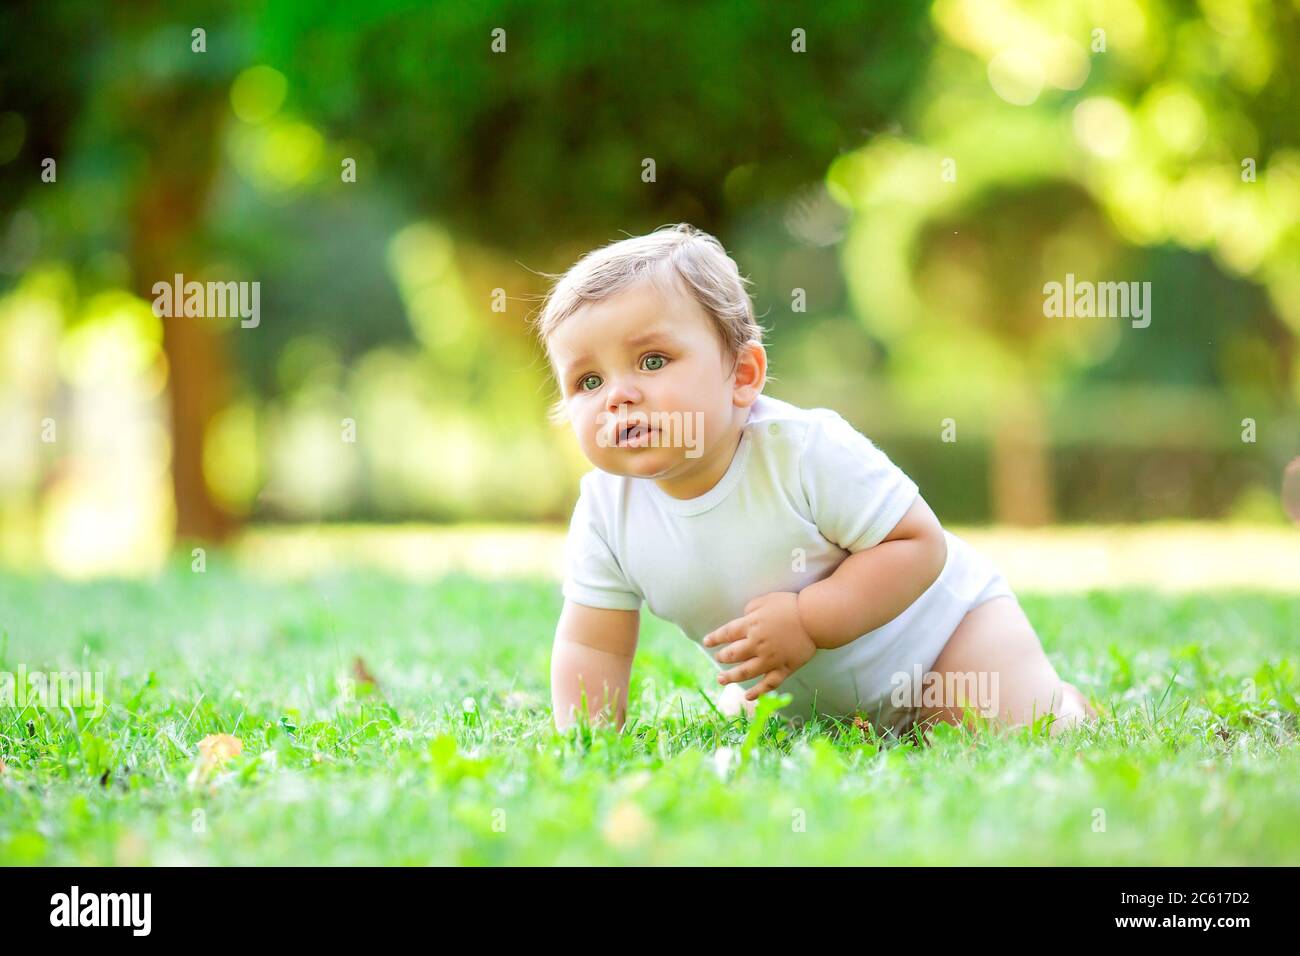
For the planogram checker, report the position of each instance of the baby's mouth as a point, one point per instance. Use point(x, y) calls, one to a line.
point(634, 434)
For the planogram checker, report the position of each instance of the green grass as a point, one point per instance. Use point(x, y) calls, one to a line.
point(1185, 766)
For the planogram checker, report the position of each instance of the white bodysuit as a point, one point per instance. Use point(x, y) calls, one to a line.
point(803, 492)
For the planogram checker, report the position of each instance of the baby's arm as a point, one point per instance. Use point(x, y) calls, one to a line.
point(870, 588)
point(594, 649)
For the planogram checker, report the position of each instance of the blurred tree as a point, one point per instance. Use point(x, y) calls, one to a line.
point(1061, 159)
point(982, 270)
point(510, 149)
point(178, 130)
point(546, 138)
point(1049, 140)
point(132, 114)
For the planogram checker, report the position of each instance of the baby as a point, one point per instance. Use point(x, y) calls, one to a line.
point(778, 538)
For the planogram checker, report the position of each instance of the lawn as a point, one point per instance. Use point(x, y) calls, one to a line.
point(450, 756)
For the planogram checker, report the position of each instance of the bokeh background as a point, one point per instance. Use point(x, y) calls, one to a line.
point(918, 170)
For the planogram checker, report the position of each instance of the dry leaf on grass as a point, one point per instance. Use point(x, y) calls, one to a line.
point(214, 751)
point(363, 675)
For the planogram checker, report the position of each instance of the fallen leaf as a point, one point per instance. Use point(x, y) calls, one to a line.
point(220, 747)
point(214, 750)
point(362, 673)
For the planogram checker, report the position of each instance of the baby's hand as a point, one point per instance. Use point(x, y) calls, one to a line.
point(769, 638)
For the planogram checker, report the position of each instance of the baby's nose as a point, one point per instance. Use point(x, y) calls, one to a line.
point(623, 394)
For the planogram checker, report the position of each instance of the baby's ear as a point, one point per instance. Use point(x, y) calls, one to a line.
point(751, 372)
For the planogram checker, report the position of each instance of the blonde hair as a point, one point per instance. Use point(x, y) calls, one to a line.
point(678, 258)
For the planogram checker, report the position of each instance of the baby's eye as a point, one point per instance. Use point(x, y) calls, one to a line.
point(582, 383)
point(654, 358)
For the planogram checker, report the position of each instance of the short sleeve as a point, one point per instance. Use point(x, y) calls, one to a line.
point(857, 495)
point(593, 576)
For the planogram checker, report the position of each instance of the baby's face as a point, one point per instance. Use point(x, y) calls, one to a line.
point(636, 359)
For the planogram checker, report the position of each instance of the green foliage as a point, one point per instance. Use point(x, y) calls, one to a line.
point(481, 170)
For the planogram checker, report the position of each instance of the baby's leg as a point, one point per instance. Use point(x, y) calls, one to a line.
point(995, 653)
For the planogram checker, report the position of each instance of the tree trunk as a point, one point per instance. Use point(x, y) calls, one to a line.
point(168, 209)
point(1021, 467)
